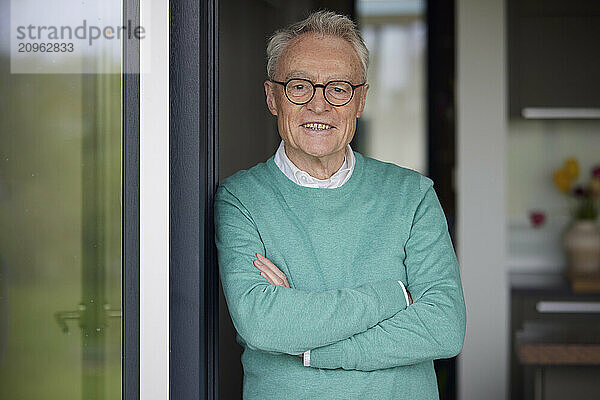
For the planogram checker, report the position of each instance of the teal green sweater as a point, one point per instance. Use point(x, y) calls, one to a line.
point(343, 251)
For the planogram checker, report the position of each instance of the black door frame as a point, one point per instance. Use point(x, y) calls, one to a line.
point(131, 207)
point(193, 179)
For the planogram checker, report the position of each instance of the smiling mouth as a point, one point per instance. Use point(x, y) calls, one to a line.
point(316, 126)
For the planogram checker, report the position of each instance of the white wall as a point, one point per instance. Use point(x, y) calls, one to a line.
point(481, 150)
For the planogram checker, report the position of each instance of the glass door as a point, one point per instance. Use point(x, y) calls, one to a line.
point(61, 270)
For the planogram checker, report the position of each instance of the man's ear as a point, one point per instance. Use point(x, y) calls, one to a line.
point(270, 93)
point(362, 100)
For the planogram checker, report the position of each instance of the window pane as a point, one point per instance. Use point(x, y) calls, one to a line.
point(393, 125)
point(60, 208)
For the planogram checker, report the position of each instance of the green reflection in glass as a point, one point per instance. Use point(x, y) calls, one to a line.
point(60, 242)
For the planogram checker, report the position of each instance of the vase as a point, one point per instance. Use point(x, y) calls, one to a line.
point(582, 245)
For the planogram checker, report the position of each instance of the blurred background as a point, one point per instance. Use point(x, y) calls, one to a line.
point(496, 101)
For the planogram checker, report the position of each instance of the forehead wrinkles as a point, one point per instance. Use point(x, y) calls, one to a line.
point(313, 56)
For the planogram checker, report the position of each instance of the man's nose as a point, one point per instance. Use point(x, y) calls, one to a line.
point(318, 103)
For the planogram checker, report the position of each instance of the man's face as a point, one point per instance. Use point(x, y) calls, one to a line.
point(320, 60)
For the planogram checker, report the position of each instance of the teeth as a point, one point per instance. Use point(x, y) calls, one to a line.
point(316, 126)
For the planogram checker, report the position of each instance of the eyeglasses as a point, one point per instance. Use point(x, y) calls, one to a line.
point(301, 91)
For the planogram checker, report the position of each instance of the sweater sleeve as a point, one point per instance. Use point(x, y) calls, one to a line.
point(433, 326)
point(286, 320)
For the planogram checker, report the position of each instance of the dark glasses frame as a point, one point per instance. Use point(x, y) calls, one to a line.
point(314, 87)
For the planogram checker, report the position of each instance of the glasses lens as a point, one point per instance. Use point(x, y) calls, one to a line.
point(299, 90)
point(338, 92)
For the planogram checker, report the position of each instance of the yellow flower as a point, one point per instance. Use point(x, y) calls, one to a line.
point(562, 180)
point(571, 167)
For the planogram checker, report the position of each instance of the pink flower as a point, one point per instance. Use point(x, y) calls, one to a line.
point(596, 172)
point(537, 218)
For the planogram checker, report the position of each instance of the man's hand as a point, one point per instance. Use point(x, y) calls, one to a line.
point(270, 272)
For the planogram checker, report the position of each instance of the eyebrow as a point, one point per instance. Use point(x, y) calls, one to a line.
point(304, 75)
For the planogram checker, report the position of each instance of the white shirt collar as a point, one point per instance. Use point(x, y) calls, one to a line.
point(302, 178)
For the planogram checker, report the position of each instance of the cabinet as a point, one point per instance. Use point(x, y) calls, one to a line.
point(553, 58)
point(554, 339)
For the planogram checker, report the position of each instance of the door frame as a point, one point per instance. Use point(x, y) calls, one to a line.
point(131, 208)
point(193, 176)
point(154, 245)
point(192, 295)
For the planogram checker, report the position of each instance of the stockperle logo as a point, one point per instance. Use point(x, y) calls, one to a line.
point(73, 36)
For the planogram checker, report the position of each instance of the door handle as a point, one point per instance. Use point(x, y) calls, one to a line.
point(62, 317)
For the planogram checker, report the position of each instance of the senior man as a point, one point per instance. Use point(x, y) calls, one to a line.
point(320, 247)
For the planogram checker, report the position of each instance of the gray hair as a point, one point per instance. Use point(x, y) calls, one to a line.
point(319, 22)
